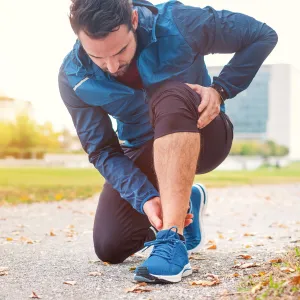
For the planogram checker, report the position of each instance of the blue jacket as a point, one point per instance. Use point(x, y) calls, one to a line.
point(172, 41)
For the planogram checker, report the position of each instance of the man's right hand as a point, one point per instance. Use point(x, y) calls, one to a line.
point(153, 210)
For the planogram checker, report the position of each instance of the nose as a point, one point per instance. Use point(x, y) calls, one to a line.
point(112, 65)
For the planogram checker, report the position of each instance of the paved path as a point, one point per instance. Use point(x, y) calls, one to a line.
point(39, 262)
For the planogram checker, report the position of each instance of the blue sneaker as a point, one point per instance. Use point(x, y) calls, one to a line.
point(194, 234)
point(168, 261)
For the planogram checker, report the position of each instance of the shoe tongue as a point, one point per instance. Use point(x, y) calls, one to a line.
point(167, 234)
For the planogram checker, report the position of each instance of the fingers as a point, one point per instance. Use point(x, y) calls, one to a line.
point(211, 111)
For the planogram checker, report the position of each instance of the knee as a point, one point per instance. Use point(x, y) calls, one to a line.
point(174, 108)
point(108, 250)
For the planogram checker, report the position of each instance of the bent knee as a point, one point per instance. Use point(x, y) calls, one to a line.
point(109, 251)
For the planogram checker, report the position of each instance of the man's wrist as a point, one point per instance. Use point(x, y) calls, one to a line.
point(221, 91)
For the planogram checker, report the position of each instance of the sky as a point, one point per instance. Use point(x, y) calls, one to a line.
point(36, 35)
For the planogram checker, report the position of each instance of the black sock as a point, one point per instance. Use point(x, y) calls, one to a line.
point(181, 237)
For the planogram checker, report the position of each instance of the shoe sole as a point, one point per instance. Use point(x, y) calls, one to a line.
point(143, 275)
point(202, 211)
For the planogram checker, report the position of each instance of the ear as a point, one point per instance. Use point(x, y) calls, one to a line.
point(135, 19)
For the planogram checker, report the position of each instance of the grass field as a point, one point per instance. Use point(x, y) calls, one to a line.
point(27, 185)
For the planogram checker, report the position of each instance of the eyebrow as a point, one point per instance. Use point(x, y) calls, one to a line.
point(112, 55)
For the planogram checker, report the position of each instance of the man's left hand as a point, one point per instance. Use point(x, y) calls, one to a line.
point(209, 107)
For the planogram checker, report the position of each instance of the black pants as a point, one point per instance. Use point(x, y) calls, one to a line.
point(119, 230)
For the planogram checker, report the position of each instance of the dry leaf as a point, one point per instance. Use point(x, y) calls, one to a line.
point(295, 280)
point(95, 274)
point(34, 296)
point(106, 263)
point(132, 268)
point(9, 239)
point(258, 244)
point(269, 237)
point(210, 242)
point(249, 234)
point(52, 233)
point(257, 288)
point(212, 247)
point(235, 275)
point(246, 266)
point(70, 282)
point(287, 270)
point(3, 271)
point(230, 239)
point(139, 288)
point(248, 246)
point(282, 226)
point(246, 257)
point(195, 270)
point(260, 274)
point(275, 261)
point(196, 257)
point(71, 226)
point(221, 236)
point(203, 283)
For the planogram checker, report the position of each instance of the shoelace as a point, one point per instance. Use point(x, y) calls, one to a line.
point(164, 252)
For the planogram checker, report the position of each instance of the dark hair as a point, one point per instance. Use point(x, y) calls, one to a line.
point(98, 18)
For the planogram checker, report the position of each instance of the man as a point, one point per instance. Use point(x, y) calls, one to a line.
point(144, 66)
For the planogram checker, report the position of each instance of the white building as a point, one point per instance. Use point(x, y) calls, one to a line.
point(270, 108)
point(10, 108)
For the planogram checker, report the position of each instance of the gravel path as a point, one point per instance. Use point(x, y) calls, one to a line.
point(52, 243)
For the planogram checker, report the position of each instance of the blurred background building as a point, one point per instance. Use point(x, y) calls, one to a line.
point(11, 108)
point(270, 108)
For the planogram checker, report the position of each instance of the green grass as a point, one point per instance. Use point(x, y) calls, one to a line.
point(28, 185)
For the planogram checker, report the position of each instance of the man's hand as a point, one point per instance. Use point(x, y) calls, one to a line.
point(153, 210)
point(209, 107)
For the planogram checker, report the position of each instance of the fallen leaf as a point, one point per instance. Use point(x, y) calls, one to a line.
point(195, 269)
point(203, 283)
point(269, 237)
point(196, 257)
point(246, 257)
point(106, 263)
point(34, 296)
point(70, 282)
point(9, 239)
point(132, 268)
point(230, 239)
point(282, 226)
point(248, 246)
point(295, 280)
point(287, 270)
point(246, 266)
point(95, 274)
point(71, 226)
point(139, 288)
point(221, 236)
point(212, 247)
point(52, 233)
point(235, 275)
point(257, 288)
point(3, 271)
point(249, 234)
point(210, 242)
point(258, 244)
point(275, 261)
point(260, 274)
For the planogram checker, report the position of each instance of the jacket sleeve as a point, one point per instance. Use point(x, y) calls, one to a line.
point(99, 140)
point(209, 31)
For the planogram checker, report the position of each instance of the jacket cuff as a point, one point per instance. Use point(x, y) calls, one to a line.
point(218, 81)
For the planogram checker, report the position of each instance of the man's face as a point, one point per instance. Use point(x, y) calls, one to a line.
point(113, 53)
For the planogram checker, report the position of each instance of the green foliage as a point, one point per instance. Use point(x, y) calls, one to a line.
point(26, 139)
point(258, 148)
